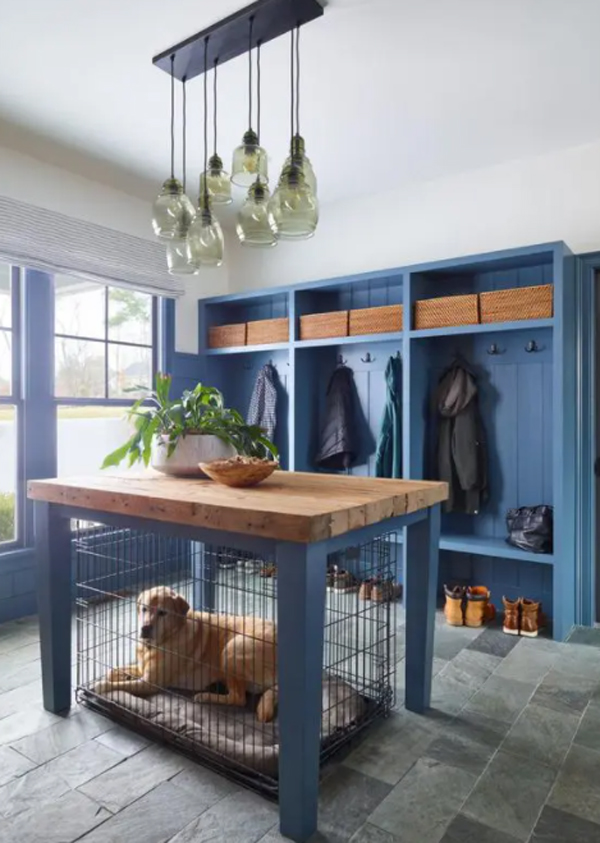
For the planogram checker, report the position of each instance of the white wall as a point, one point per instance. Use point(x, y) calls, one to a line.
point(31, 180)
point(553, 197)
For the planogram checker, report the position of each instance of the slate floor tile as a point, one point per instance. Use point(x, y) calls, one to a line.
point(422, 804)
point(527, 664)
point(510, 794)
point(479, 728)
point(24, 722)
point(242, 817)
point(61, 737)
point(12, 765)
point(154, 818)
point(17, 699)
point(83, 763)
point(588, 734)
point(371, 834)
point(29, 791)
point(390, 748)
point(20, 675)
point(494, 642)
point(450, 640)
point(206, 787)
point(577, 789)
point(449, 694)
point(472, 668)
point(501, 699)
point(565, 692)
point(542, 734)
point(61, 821)
point(135, 776)
point(459, 751)
point(585, 635)
point(15, 658)
point(346, 800)
point(465, 830)
point(123, 741)
point(558, 827)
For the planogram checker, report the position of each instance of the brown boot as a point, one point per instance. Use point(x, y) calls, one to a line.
point(512, 622)
point(366, 589)
point(453, 610)
point(530, 612)
point(476, 612)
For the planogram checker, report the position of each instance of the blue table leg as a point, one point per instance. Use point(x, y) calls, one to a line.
point(301, 573)
point(421, 573)
point(53, 551)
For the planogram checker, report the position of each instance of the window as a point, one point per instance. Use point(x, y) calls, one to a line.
point(10, 487)
point(104, 349)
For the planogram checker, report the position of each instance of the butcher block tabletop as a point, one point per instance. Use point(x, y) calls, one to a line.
point(289, 506)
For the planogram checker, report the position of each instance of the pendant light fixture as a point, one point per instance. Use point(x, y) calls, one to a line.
point(217, 180)
point(249, 159)
point(294, 208)
point(297, 146)
point(205, 237)
point(254, 223)
point(172, 211)
point(177, 248)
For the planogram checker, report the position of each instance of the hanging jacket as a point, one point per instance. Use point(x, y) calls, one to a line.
point(388, 457)
point(263, 401)
point(338, 443)
point(461, 454)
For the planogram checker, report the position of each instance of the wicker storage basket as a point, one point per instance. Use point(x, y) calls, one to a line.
point(517, 303)
point(267, 331)
point(375, 320)
point(447, 311)
point(319, 326)
point(224, 336)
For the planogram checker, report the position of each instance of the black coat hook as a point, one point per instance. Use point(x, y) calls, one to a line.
point(367, 358)
point(493, 349)
point(341, 361)
point(532, 346)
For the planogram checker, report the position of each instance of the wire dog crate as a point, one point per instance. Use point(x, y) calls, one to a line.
point(178, 640)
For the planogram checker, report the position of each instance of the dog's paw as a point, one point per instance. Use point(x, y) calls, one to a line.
point(101, 686)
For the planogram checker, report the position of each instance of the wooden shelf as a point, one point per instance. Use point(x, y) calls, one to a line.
point(487, 328)
point(395, 336)
point(247, 349)
point(484, 546)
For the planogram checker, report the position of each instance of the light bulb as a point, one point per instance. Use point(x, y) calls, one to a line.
point(255, 226)
point(249, 161)
point(298, 156)
point(216, 182)
point(294, 209)
point(205, 238)
point(172, 211)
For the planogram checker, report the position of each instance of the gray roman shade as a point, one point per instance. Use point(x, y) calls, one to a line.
point(53, 242)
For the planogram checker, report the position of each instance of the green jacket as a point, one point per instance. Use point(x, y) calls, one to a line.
point(388, 458)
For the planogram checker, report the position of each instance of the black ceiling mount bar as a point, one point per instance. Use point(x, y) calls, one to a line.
point(229, 37)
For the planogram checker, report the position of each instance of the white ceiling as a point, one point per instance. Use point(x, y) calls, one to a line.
point(392, 90)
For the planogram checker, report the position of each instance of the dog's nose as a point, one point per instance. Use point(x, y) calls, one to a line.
point(146, 631)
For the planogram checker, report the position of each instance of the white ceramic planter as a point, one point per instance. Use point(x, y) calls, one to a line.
point(191, 450)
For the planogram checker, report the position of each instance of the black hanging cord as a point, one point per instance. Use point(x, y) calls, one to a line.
point(291, 84)
point(258, 88)
point(298, 79)
point(215, 108)
point(205, 209)
point(250, 72)
point(184, 122)
point(173, 116)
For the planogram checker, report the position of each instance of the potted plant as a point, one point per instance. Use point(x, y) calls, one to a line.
point(176, 435)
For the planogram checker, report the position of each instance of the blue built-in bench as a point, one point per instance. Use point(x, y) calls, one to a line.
point(527, 399)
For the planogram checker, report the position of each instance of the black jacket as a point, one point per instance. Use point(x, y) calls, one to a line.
point(338, 445)
point(461, 458)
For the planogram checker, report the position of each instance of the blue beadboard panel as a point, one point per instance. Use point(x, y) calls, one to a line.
point(371, 293)
point(17, 585)
point(504, 577)
point(314, 368)
point(186, 371)
point(235, 375)
point(264, 307)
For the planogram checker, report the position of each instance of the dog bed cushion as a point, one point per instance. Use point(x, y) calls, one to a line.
point(235, 732)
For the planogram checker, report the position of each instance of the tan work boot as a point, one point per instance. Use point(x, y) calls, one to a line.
point(512, 622)
point(453, 610)
point(476, 612)
point(530, 614)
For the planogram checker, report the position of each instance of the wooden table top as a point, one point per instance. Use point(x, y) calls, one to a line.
point(289, 506)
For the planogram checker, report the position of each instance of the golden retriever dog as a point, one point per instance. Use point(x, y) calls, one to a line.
point(187, 650)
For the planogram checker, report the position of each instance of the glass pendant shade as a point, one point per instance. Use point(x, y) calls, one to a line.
point(178, 257)
point(294, 209)
point(216, 182)
point(249, 161)
point(172, 211)
point(255, 226)
point(205, 239)
point(298, 156)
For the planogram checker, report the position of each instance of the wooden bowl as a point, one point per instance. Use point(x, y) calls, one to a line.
point(237, 473)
